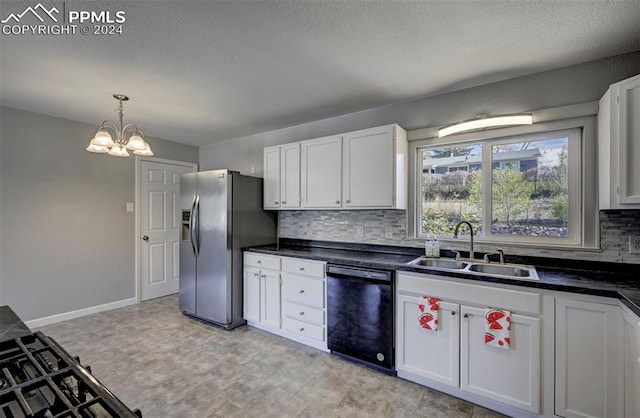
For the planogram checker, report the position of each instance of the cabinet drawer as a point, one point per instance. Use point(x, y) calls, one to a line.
point(303, 290)
point(262, 261)
point(303, 313)
point(305, 329)
point(479, 295)
point(304, 267)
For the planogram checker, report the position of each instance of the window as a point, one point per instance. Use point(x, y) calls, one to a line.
point(520, 189)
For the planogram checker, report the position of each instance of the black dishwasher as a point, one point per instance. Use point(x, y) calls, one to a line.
point(360, 316)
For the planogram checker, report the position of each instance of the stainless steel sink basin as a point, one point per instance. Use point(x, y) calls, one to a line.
point(504, 270)
point(508, 271)
point(439, 263)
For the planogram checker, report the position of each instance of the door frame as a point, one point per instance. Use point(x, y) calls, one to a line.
point(138, 164)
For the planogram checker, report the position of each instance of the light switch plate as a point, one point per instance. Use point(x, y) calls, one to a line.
point(129, 206)
point(634, 244)
point(388, 232)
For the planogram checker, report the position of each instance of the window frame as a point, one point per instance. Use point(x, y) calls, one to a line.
point(584, 232)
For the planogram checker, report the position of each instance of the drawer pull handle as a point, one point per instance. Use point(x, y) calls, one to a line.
point(301, 314)
point(301, 290)
point(301, 268)
point(466, 315)
point(301, 329)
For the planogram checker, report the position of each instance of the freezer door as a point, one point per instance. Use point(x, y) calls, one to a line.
point(213, 265)
point(187, 298)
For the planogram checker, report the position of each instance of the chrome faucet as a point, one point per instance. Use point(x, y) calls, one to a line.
point(455, 235)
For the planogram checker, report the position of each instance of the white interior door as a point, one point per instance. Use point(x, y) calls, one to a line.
point(160, 226)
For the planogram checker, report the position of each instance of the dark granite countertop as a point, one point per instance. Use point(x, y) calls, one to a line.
point(616, 280)
point(11, 326)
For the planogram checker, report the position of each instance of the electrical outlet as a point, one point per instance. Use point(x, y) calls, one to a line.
point(360, 230)
point(634, 244)
point(388, 232)
point(253, 170)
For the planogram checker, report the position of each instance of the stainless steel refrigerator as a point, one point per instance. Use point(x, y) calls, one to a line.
point(221, 214)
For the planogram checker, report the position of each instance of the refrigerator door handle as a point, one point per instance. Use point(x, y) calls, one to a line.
point(191, 226)
point(196, 224)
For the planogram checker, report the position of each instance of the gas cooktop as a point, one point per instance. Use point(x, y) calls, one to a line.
point(38, 378)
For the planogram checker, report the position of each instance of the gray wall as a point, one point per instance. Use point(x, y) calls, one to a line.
point(570, 85)
point(66, 240)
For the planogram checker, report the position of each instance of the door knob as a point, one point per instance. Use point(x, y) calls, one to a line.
point(145, 238)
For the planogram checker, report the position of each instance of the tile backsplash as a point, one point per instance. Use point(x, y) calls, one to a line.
point(615, 228)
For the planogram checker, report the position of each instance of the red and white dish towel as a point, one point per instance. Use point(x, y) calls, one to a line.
point(497, 328)
point(428, 312)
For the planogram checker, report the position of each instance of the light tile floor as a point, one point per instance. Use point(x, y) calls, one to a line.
point(168, 365)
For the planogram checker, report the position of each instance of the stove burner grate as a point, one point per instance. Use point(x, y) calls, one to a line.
point(38, 378)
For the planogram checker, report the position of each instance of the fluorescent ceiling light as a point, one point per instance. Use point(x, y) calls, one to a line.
point(488, 122)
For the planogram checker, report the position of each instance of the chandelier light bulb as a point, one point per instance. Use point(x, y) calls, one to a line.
point(102, 138)
point(146, 151)
point(98, 149)
point(136, 143)
point(119, 151)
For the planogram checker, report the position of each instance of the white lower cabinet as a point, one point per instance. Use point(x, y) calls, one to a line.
point(508, 376)
point(433, 355)
point(588, 360)
point(456, 356)
point(287, 298)
point(631, 330)
point(261, 294)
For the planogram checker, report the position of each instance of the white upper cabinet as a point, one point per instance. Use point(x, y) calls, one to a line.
point(374, 168)
point(282, 177)
point(619, 145)
point(271, 178)
point(322, 173)
point(290, 176)
point(364, 169)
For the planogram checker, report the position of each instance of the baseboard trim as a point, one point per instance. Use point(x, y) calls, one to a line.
point(48, 320)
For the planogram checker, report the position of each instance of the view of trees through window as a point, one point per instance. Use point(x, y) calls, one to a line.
point(529, 188)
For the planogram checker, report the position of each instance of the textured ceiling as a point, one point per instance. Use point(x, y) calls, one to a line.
point(202, 72)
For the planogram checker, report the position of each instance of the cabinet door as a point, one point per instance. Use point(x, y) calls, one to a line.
point(322, 173)
point(290, 176)
point(628, 93)
point(368, 168)
point(588, 359)
point(429, 354)
point(271, 298)
point(271, 178)
point(631, 329)
point(251, 294)
point(509, 376)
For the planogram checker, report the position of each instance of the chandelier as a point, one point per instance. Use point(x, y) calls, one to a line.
point(104, 143)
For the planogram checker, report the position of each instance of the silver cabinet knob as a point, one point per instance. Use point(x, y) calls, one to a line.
point(348, 201)
point(255, 274)
point(337, 202)
point(275, 203)
point(145, 238)
point(453, 313)
point(301, 329)
point(284, 202)
point(301, 268)
point(264, 276)
point(301, 314)
point(259, 262)
point(466, 315)
point(301, 291)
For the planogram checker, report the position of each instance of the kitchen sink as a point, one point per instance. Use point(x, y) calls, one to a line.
point(439, 263)
point(501, 270)
point(508, 271)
